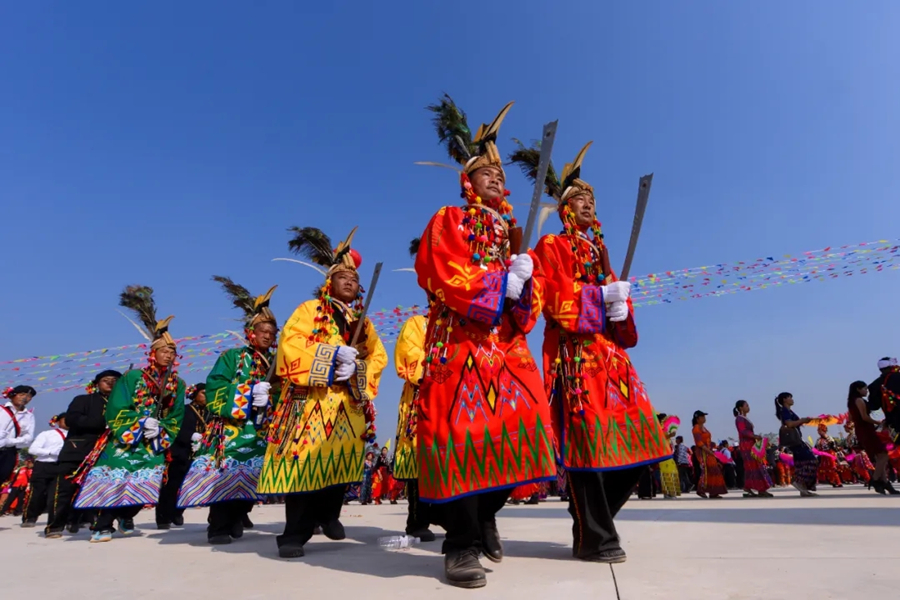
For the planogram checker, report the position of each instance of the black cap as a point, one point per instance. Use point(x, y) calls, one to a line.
point(107, 373)
point(699, 413)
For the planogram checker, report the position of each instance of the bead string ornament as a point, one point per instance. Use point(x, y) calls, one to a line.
point(145, 400)
point(588, 266)
point(488, 240)
point(570, 367)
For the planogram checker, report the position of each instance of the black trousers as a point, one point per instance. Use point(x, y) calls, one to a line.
point(42, 478)
point(420, 513)
point(224, 516)
point(594, 500)
point(106, 517)
point(8, 459)
point(167, 506)
point(685, 473)
point(62, 495)
point(464, 518)
point(304, 511)
point(646, 489)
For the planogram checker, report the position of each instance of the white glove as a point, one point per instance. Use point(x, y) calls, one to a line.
point(151, 428)
point(196, 438)
point(261, 393)
point(514, 286)
point(346, 355)
point(617, 291)
point(617, 312)
point(522, 266)
point(344, 371)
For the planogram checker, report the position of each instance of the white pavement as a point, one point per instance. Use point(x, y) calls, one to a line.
point(843, 544)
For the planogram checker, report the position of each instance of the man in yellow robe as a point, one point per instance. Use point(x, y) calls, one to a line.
point(324, 415)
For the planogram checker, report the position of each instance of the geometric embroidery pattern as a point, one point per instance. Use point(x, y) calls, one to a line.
point(112, 488)
point(593, 311)
point(486, 306)
point(321, 371)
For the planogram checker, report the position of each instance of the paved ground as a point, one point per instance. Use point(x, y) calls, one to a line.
point(840, 545)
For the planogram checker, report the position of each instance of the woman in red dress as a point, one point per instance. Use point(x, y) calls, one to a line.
point(868, 436)
point(712, 481)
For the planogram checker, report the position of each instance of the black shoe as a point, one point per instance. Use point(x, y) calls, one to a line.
point(219, 540)
point(291, 551)
point(890, 489)
point(317, 530)
point(237, 530)
point(490, 542)
point(29, 524)
point(163, 526)
point(612, 556)
point(879, 487)
point(248, 524)
point(53, 534)
point(462, 569)
point(178, 521)
point(73, 528)
point(534, 500)
point(334, 530)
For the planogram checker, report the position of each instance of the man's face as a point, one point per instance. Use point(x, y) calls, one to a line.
point(264, 335)
point(345, 286)
point(165, 356)
point(488, 183)
point(106, 384)
point(62, 424)
point(20, 401)
point(200, 398)
point(582, 206)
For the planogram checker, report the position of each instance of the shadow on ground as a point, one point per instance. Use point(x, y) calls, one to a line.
point(805, 515)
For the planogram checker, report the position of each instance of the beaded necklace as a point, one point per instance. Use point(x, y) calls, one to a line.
point(145, 399)
point(488, 239)
point(588, 268)
point(324, 323)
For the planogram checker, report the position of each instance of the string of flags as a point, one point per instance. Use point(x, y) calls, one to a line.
point(63, 372)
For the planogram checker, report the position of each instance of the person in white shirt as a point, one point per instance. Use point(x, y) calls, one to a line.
point(45, 450)
point(16, 428)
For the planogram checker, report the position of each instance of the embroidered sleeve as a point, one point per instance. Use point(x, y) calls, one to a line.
point(445, 268)
point(364, 383)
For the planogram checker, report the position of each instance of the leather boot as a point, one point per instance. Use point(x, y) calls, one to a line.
point(462, 569)
point(490, 542)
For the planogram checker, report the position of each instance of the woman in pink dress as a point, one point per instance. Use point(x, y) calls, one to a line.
point(756, 477)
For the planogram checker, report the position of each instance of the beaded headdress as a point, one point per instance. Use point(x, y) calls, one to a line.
point(139, 299)
point(314, 245)
point(562, 189)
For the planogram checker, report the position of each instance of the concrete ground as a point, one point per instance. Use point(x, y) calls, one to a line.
point(842, 544)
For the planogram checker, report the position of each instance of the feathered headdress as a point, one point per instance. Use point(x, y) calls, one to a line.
point(558, 188)
point(315, 246)
point(256, 310)
point(453, 131)
point(139, 299)
point(561, 189)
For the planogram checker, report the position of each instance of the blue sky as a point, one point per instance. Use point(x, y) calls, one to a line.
point(164, 142)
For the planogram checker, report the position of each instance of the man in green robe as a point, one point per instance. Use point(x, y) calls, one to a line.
point(144, 415)
point(226, 467)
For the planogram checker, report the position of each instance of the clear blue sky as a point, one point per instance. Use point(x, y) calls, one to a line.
point(160, 143)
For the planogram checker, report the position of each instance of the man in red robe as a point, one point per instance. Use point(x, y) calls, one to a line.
point(605, 428)
point(483, 418)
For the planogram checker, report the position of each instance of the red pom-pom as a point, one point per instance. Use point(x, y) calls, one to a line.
point(357, 257)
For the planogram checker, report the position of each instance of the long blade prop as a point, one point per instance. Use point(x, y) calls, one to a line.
point(643, 196)
point(547, 138)
point(362, 318)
